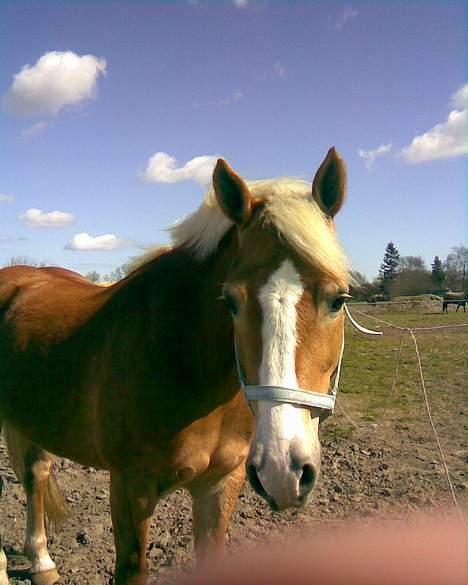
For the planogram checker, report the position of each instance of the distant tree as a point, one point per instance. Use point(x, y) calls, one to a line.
point(359, 278)
point(389, 267)
point(25, 261)
point(359, 289)
point(455, 267)
point(411, 263)
point(93, 276)
point(436, 265)
point(411, 282)
point(437, 274)
point(413, 277)
point(126, 268)
point(119, 273)
point(391, 261)
point(457, 258)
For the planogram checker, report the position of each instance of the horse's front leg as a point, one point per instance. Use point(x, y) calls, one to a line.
point(212, 510)
point(133, 497)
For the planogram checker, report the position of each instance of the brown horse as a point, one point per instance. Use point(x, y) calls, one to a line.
point(141, 378)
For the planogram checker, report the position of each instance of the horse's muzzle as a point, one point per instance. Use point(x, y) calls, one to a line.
point(290, 489)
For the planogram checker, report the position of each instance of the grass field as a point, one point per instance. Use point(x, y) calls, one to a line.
point(368, 368)
point(369, 363)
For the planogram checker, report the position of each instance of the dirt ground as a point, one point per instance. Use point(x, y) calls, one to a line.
point(397, 468)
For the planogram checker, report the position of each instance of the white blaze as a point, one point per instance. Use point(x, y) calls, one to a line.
point(278, 425)
point(278, 299)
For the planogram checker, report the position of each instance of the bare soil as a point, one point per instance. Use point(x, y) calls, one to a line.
point(364, 474)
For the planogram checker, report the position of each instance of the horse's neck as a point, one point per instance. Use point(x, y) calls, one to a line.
point(212, 334)
point(174, 305)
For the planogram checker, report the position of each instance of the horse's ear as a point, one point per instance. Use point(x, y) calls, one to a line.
point(232, 193)
point(329, 186)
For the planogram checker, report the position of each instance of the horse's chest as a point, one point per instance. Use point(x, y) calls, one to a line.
point(208, 451)
point(203, 468)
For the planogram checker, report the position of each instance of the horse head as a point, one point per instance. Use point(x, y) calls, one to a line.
point(285, 291)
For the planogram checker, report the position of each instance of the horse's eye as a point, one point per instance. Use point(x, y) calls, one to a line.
point(339, 302)
point(231, 303)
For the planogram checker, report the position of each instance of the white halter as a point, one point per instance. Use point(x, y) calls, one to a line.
point(325, 403)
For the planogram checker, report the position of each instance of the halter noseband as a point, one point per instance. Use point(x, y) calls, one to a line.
point(311, 399)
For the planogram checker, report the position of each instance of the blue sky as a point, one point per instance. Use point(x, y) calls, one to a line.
point(91, 92)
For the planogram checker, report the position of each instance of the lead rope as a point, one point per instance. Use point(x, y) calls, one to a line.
point(359, 328)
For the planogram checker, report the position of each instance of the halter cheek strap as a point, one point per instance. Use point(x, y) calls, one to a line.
point(311, 399)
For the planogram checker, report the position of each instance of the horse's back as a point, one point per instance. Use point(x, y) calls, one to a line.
point(45, 352)
point(30, 275)
point(455, 296)
point(46, 303)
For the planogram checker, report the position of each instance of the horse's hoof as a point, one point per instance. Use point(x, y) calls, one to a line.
point(45, 577)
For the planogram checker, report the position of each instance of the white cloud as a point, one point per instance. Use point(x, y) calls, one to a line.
point(84, 241)
point(369, 156)
point(279, 69)
point(459, 99)
point(57, 79)
point(7, 198)
point(38, 218)
point(347, 14)
point(34, 130)
point(235, 96)
point(8, 239)
point(445, 140)
point(241, 3)
point(162, 168)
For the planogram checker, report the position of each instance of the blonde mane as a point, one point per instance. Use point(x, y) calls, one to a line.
point(289, 207)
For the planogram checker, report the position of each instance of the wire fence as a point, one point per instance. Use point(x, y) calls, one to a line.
point(373, 428)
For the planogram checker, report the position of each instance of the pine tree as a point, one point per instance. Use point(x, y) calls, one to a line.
point(436, 264)
point(438, 274)
point(389, 267)
point(391, 260)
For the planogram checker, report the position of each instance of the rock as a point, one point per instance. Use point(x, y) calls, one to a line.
point(83, 538)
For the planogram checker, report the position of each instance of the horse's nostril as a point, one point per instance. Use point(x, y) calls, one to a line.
point(254, 480)
point(257, 486)
point(307, 479)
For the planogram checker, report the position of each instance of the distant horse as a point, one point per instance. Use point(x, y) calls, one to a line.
point(141, 378)
point(454, 298)
point(379, 298)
